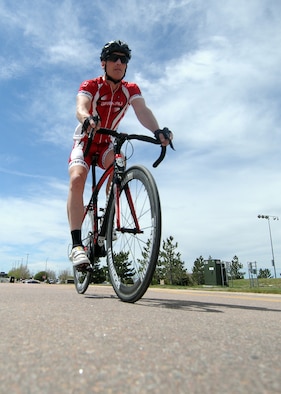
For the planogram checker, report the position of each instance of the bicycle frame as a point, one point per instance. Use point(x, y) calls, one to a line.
point(99, 234)
point(93, 203)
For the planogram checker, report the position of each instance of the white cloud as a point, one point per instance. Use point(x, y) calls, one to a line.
point(35, 224)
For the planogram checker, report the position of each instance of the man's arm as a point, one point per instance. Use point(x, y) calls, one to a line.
point(144, 114)
point(83, 106)
point(147, 119)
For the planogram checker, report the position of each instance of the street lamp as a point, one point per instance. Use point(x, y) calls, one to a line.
point(268, 220)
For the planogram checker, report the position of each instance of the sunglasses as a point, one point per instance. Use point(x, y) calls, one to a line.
point(114, 57)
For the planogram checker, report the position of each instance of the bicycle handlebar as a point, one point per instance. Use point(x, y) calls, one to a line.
point(124, 137)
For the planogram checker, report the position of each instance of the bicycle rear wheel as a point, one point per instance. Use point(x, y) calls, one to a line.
point(82, 278)
point(132, 250)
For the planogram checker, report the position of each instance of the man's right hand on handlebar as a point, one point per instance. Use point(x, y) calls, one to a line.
point(91, 123)
point(165, 136)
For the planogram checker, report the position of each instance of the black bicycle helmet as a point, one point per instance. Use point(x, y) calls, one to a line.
point(115, 46)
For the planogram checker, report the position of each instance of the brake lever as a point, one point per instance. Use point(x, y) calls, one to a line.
point(89, 142)
point(171, 144)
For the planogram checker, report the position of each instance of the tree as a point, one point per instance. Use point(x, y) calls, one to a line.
point(159, 273)
point(264, 274)
point(45, 275)
point(51, 275)
point(98, 275)
point(235, 268)
point(64, 275)
point(42, 275)
point(146, 251)
point(198, 271)
point(21, 272)
point(123, 266)
point(170, 267)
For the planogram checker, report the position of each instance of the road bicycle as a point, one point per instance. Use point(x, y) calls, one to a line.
point(128, 229)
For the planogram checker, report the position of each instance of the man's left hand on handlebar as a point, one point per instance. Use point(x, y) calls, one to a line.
point(165, 136)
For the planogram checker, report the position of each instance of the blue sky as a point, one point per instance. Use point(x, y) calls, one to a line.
point(209, 70)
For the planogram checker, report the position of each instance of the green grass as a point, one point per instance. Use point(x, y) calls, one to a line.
point(271, 286)
point(266, 286)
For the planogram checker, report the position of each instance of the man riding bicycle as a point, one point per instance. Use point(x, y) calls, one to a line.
point(102, 102)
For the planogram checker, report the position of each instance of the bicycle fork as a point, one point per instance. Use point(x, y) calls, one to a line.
point(135, 228)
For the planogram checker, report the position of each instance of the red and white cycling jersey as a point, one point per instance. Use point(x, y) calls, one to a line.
point(108, 105)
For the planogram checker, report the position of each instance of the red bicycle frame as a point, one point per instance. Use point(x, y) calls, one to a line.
point(115, 190)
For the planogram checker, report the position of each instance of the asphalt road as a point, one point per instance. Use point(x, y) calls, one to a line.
point(56, 341)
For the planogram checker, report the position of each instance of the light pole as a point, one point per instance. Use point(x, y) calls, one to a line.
point(268, 221)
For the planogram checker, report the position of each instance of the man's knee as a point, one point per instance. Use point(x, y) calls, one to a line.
point(78, 177)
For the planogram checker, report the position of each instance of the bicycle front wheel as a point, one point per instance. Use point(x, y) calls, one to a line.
point(82, 278)
point(133, 246)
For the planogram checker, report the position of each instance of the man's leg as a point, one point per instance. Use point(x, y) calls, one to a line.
point(75, 210)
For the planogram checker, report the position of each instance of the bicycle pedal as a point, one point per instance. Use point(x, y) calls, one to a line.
point(83, 268)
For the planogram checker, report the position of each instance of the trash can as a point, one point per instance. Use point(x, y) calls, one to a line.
point(12, 279)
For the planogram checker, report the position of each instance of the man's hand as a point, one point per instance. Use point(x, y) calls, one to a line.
point(165, 136)
point(91, 123)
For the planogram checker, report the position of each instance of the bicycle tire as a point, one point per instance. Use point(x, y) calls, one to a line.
point(132, 256)
point(82, 278)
